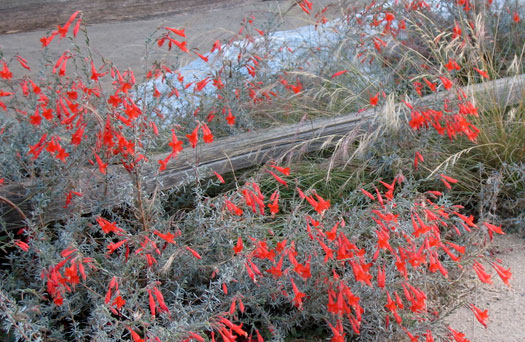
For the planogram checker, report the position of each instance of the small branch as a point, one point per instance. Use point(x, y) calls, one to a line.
point(14, 206)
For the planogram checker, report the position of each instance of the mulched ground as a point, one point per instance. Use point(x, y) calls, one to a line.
point(30, 15)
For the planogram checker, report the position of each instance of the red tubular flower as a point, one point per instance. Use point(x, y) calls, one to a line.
point(101, 165)
point(219, 177)
point(152, 305)
point(284, 170)
point(108, 227)
point(338, 331)
point(5, 73)
point(516, 17)
point(168, 237)
point(381, 276)
point(164, 163)
point(160, 300)
point(112, 247)
point(418, 158)
point(201, 84)
point(431, 85)
point(216, 46)
point(374, 100)
point(196, 337)
point(193, 137)
point(458, 336)
point(232, 208)
point(339, 73)
point(239, 246)
point(298, 295)
point(452, 65)
point(447, 84)
point(23, 62)
point(135, 336)
point(369, 195)
point(119, 302)
point(482, 73)
point(456, 31)
point(230, 119)
point(179, 32)
point(181, 45)
point(237, 328)
point(503, 273)
point(482, 275)
point(175, 144)
point(207, 136)
point(22, 245)
point(193, 252)
point(322, 205)
point(481, 316)
point(277, 178)
point(493, 229)
point(274, 206)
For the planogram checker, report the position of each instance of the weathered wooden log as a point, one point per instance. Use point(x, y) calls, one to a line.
point(250, 149)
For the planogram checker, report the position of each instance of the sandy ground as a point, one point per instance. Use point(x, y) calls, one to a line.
point(506, 306)
point(30, 15)
point(123, 42)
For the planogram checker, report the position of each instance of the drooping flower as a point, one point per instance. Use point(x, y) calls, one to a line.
point(481, 315)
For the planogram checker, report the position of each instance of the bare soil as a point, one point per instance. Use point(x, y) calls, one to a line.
point(29, 15)
point(119, 33)
point(506, 305)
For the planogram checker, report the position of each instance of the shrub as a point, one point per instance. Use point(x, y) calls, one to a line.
point(107, 253)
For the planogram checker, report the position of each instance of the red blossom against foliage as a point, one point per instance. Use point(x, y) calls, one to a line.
point(516, 17)
point(112, 247)
point(418, 158)
point(136, 337)
point(194, 136)
point(219, 177)
point(447, 84)
point(374, 99)
point(298, 295)
point(101, 165)
point(482, 73)
point(193, 252)
point(207, 136)
point(230, 119)
point(339, 73)
point(277, 178)
point(22, 245)
point(108, 227)
point(239, 246)
point(168, 237)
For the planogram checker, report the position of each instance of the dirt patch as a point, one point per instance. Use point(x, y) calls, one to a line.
point(505, 305)
point(123, 41)
point(29, 15)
